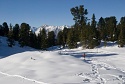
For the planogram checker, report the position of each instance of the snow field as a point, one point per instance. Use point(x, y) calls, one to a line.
point(104, 65)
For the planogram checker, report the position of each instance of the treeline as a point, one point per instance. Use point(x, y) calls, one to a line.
point(26, 37)
point(88, 32)
point(91, 33)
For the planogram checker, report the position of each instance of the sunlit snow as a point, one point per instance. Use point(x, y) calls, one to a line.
point(102, 65)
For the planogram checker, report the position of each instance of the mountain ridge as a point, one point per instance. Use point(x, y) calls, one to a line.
point(49, 28)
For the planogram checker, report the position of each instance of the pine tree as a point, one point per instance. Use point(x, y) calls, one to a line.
point(121, 37)
point(65, 35)
point(6, 29)
point(32, 40)
point(16, 32)
point(24, 34)
point(102, 30)
point(71, 40)
point(111, 28)
point(59, 38)
point(79, 14)
point(51, 38)
point(39, 41)
point(44, 42)
point(80, 19)
point(10, 37)
point(93, 37)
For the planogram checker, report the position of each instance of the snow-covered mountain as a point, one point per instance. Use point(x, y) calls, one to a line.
point(48, 28)
point(34, 29)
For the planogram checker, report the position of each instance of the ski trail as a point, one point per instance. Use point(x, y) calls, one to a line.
point(23, 78)
point(96, 73)
point(97, 65)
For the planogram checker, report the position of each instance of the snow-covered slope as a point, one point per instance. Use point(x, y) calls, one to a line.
point(105, 65)
point(48, 28)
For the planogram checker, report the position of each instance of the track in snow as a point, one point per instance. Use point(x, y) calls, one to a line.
point(22, 78)
point(102, 73)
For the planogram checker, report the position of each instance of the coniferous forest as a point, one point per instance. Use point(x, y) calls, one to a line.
point(88, 32)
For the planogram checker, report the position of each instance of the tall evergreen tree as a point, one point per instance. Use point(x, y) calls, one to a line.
point(80, 19)
point(16, 32)
point(32, 40)
point(59, 38)
point(71, 40)
point(65, 35)
point(121, 37)
point(44, 42)
point(51, 38)
point(39, 41)
point(10, 37)
point(6, 29)
point(24, 34)
point(102, 30)
point(93, 37)
point(111, 28)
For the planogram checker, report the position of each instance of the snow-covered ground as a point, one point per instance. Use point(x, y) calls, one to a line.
point(104, 65)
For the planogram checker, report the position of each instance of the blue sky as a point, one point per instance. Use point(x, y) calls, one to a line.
point(56, 12)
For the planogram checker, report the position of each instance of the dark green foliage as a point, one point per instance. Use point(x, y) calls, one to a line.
point(80, 18)
point(5, 28)
point(16, 32)
point(42, 39)
point(71, 40)
point(32, 40)
point(39, 40)
point(44, 44)
point(110, 23)
point(93, 36)
point(84, 34)
point(121, 37)
point(79, 14)
point(102, 29)
point(59, 38)
point(51, 39)
point(24, 34)
point(10, 39)
point(65, 36)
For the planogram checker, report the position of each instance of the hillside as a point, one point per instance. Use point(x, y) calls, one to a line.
point(104, 65)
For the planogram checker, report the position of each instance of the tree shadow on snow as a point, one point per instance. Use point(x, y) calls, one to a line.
point(8, 51)
point(88, 54)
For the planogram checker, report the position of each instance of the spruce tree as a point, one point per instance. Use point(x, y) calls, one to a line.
point(16, 32)
point(93, 37)
point(59, 38)
point(6, 29)
point(32, 40)
point(121, 37)
point(44, 42)
point(51, 38)
point(102, 29)
point(65, 35)
point(111, 28)
point(39, 41)
point(80, 19)
point(10, 39)
point(24, 34)
point(71, 40)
